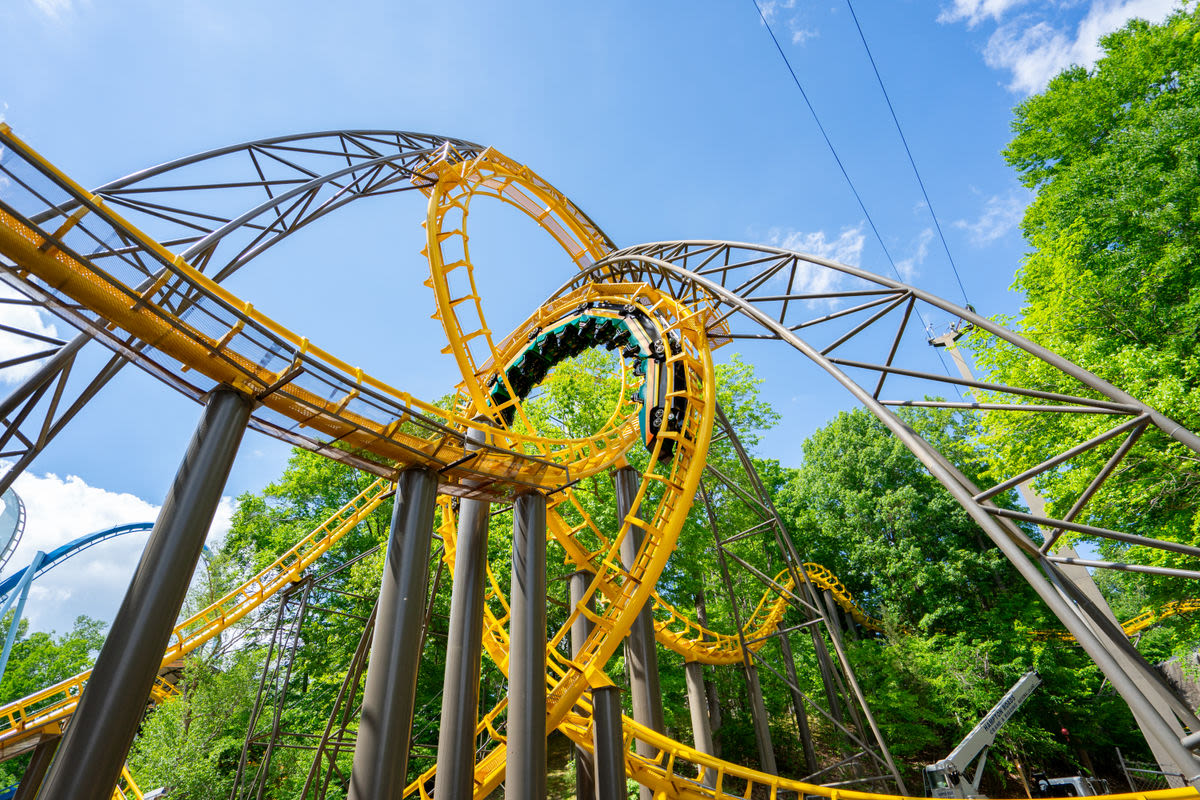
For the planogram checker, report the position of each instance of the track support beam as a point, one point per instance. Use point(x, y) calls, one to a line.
point(464, 652)
point(525, 769)
point(585, 773)
point(381, 750)
point(758, 714)
point(698, 706)
point(608, 743)
point(35, 772)
point(641, 658)
point(111, 708)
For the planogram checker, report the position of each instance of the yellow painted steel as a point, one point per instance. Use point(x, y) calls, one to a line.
point(619, 594)
point(127, 788)
point(491, 174)
point(666, 491)
point(1147, 619)
point(23, 718)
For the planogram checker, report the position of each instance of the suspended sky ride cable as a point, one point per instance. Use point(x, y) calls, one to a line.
point(828, 142)
point(854, 190)
point(920, 182)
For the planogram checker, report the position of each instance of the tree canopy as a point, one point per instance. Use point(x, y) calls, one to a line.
point(1112, 279)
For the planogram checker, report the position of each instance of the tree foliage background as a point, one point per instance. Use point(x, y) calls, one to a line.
point(1111, 282)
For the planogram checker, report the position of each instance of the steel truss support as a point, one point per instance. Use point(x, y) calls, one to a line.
point(789, 666)
point(455, 778)
point(741, 285)
point(219, 223)
point(525, 769)
point(111, 708)
point(273, 688)
point(327, 770)
point(578, 583)
point(641, 655)
point(35, 772)
point(381, 751)
point(693, 673)
point(863, 740)
point(609, 744)
point(265, 735)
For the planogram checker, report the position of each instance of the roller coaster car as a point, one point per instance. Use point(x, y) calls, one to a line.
point(640, 339)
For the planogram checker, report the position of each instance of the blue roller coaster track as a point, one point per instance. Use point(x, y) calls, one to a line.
point(14, 590)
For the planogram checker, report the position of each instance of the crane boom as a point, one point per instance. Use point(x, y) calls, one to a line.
point(948, 777)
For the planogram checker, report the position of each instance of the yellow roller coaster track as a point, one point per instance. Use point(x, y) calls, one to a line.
point(222, 340)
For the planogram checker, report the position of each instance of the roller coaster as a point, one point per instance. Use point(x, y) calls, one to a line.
point(137, 267)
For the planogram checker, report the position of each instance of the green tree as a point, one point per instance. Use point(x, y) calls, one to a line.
point(41, 659)
point(866, 508)
point(1112, 281)
point(960, 620)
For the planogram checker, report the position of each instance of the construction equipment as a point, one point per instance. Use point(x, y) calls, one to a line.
point(948, 777)
point(1074, 786)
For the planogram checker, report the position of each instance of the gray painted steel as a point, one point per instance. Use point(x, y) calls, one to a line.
point(698, 705)
point(35, 772)
point(758, 714)
point(525, 767)
point(798, 705)
point(381, 750)
point(641, 658)
point(585, 774)
point(1006, 536)
point(609, 747)
point(464, 650)
point(111, 708)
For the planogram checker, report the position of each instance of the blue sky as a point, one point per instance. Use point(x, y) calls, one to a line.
point(662, 120)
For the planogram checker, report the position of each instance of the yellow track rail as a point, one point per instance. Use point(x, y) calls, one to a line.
point(23, 718)
point(222, 351)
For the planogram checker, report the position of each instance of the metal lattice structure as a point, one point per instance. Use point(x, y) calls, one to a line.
point(137, 267)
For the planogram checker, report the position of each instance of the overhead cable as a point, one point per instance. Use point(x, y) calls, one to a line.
point(911, 160)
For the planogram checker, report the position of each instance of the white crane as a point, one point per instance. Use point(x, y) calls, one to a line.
point(948, 777)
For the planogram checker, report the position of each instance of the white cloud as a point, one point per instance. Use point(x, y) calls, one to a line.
point(1001, 213)
point(802, 35)
point(976, 11)
point(771, 8)
point(1037, 45)
point(26, 318)
point(777, 12)
point(93, 582)
point(56, 10)
point(846, 247)
point(907, 267)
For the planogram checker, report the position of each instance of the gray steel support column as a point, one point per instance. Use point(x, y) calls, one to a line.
point(824, 660)
point(714, 710)
point(525, 767)
point(464, 650)
point(31, 781)
point(608, 743)
point(698, 705)
point(585, 773)
point(1154, 693)
point(758, 714)
point(710, 687)
point(798, 706)
point(836, 617)
point(114, 700)
point(641, 658)
point(381, 750)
